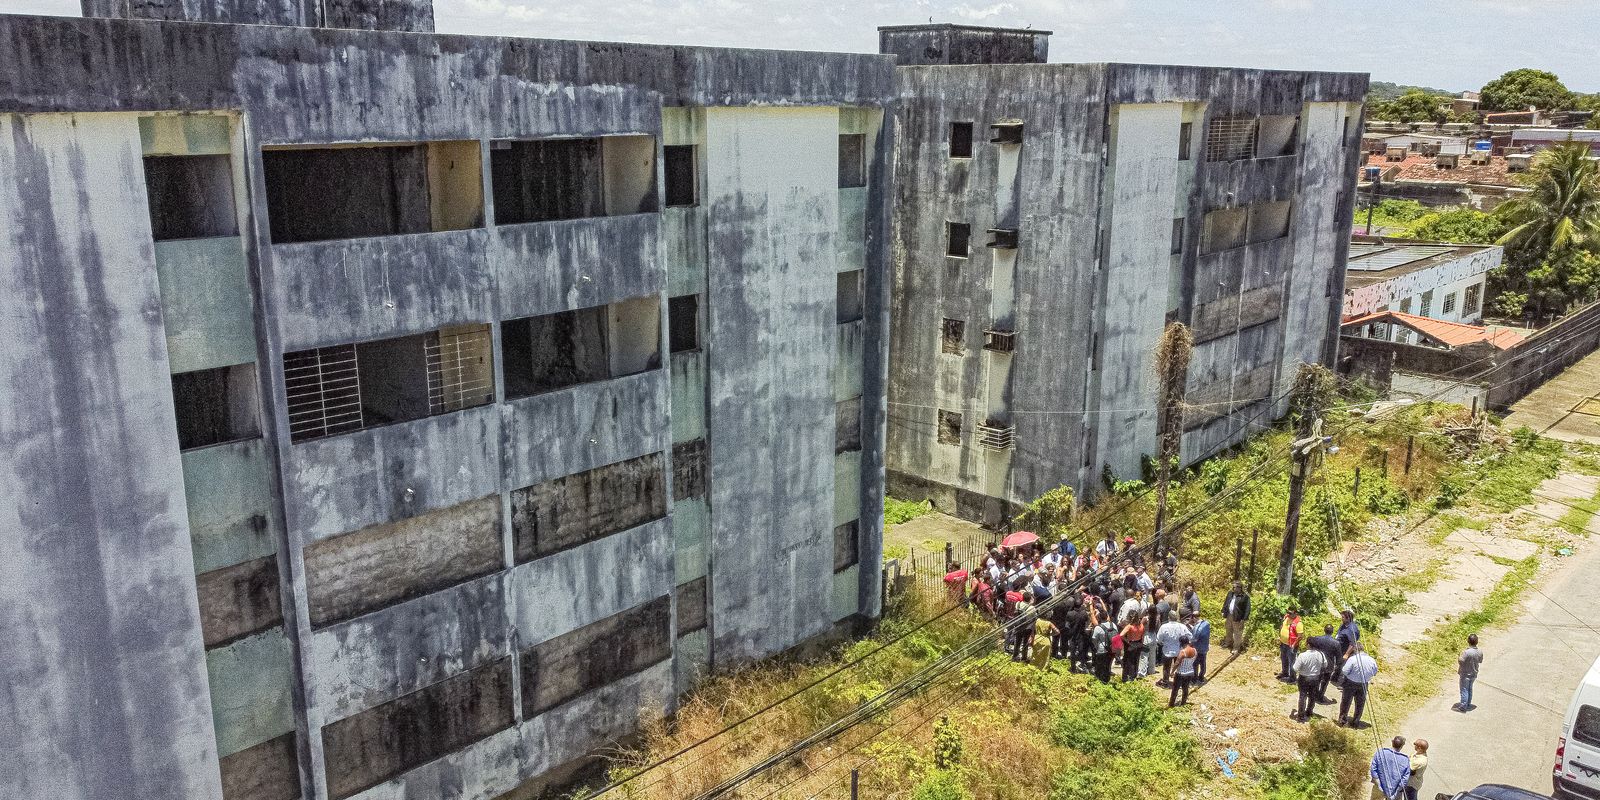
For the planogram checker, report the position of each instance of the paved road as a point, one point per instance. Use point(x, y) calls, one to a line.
point(1565, 407)
point(1528, 675)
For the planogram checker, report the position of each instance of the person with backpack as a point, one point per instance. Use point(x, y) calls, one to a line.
point(1100, 646)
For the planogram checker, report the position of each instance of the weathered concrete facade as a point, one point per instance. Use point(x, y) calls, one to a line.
point(1049, 219)
point(407, 415)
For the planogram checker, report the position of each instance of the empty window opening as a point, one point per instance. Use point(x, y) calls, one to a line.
point(1223, 229)
point(1008, 132)
point(848, 306)
point(690, 599)
point(958, 239)
point(690, 464)
point(1449, 303)
point(683, 323)
point(846, 545)
point(597, 654)
point(1185, 139)
point(566, 512)
point(949, 427)
point(952, 337)
point(568, 348)
point(961, 140)
point(1230, 138)
point(852, 160)
point(321, 193)
point(683, 182)
point(847, 426)
point(331, 390)
point(190, 197)
point(1276, 136)
point(460, 368)
point(1269, 221)
point(1469, 303)
point(1177, 236)
point(557, 179)
point(1405, 306)
point(215, 406)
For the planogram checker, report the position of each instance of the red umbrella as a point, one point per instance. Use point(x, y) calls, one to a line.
point(1019, 539)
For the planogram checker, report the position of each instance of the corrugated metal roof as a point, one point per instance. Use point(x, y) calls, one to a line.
point(1382, 257)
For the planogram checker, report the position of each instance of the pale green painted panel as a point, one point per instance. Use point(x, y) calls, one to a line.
point(852, 238)
point(691, 657)
point(847, 366)
point(859, 120)
point(846, 487)
point(205, 303)
point(691, 519)
point(229, 491)
point(846, 592)
point(682, 125)
point(683, 249)
point(185, 135)
point(688, 396)
point(250, 682)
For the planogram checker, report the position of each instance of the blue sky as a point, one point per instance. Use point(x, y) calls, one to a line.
point(1452, 45)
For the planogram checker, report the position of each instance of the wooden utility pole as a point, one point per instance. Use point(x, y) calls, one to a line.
point(1313, 393)
point(1172, 364)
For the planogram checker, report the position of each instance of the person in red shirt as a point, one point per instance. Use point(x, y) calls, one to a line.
point(983, 595)
point(955, 582)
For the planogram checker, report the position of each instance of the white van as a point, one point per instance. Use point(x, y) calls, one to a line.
point(1577, 769)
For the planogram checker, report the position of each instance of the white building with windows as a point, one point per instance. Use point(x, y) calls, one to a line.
point(1437, 280)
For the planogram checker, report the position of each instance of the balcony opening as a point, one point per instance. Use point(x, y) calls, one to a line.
point(568, 348)
point(961, 140)
point(1269, 221)
point(682, 178)
point(346, 192)
point(852, 160)
point(216, 406)
point(683, 324)
point(958, 239)
point(847, 294)
point(1224, 229)
point(556, 179)
point(949, 427)
point(1276, 136)
point(333, 390)
point(951, 335)
point(190, 197)
point(1230, 138)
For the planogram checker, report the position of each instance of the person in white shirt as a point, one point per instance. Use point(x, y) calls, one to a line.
point(1308, 668)
point(1107, 548)
point(1358, 671)
point(1171, 638)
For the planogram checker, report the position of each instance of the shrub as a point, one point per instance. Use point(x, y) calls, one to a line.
point(941, 785)
point(946, 744)
point(898, 511)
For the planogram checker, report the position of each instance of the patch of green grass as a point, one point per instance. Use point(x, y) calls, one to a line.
point(1507, 481)
point(896, 511)
point(1125, 745)
point(1576, 520)
point(1432, 658)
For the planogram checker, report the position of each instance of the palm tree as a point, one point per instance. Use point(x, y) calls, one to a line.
point(1548, 226)
point(1561, 210)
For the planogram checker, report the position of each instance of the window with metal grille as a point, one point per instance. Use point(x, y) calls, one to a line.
point(1427, 304)
point(852, 160)
point(1469, 304)
point(1230, 138)
point(323, 387)
point(1449, 303)
point(460, 368)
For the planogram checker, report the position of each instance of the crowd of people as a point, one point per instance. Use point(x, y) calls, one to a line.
point(1120, 610)
point(1331, 658)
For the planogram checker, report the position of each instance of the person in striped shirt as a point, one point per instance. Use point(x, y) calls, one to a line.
point(1358, 671)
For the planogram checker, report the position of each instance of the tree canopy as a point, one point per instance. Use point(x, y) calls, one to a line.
point(1520, 88)
point(1552, 233)
point(1415, 105)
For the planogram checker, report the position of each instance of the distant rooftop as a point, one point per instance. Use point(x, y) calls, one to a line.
point(953, 26)
point(1376, 261)
point(1451, 334)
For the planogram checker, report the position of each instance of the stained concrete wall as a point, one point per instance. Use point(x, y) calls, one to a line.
point(768, 315)
point(775, 388)
point(97, 587)
point(1094, 277)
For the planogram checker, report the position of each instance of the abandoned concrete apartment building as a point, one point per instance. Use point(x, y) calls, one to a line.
point(1050, 219)
point(405, 415)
